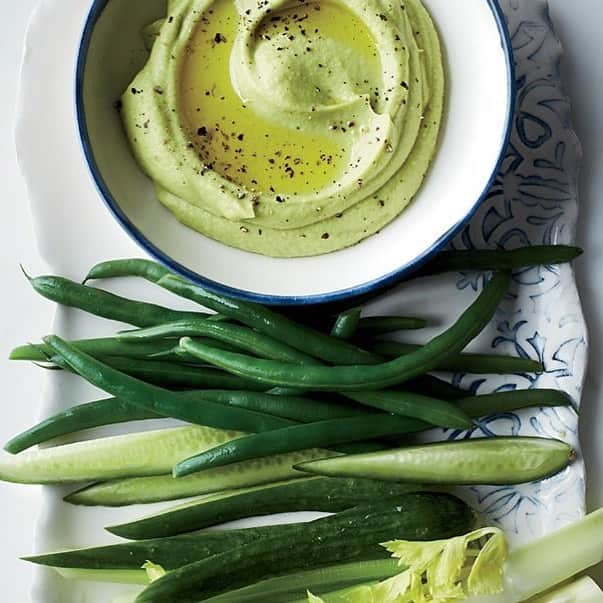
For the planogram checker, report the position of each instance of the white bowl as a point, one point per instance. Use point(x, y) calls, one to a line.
point(480, 104)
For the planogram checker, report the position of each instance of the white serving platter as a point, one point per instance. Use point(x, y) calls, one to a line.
point(533, 201)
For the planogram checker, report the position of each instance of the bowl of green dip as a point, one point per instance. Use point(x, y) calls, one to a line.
point(294, 152)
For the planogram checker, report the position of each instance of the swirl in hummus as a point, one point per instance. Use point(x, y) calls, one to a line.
point(288, 128)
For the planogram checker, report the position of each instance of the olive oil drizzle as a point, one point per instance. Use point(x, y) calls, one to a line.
point(246, 148)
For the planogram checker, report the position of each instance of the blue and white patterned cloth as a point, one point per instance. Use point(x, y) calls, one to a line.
point(534, 202)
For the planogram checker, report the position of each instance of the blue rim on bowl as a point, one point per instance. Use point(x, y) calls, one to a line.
point(373, 286)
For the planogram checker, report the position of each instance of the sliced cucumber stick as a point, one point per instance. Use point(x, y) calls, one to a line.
point(137, 454)
point(169, 553)
point(348, 536)
point(122, 492)
point(504, 460)
point(309, 494)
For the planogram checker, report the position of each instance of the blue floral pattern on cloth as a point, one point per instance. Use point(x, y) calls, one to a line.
point(533, 202)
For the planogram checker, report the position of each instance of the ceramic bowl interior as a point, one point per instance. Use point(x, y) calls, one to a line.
point(474, 137)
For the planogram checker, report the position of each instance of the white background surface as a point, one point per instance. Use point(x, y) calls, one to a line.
point(24, 316)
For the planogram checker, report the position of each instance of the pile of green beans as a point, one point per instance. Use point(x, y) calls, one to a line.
point(289, 385)
point(361, 377)
point(243, 338)
point(262, 319)
point(171, 375)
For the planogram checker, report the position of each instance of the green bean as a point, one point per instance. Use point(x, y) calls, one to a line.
point(177, 355)
point(286, 391)
point(346, 324)
point(431, 386)
point(379, 325)
point(85, 416)
point(147, 269)
point(431, 410)
point(172, 369)
point(464, 362)
point(107, 305)
point(112, 411)
point(111, 346)
point(322, 318)
point(502, 402)
point(369, 325)
point(498, 259)
point(303, 410)
point(359, 378)
point(107, 346)
point(241, 337)
point(453, 261)
point(172, 375)
point(158, 400)
point(465, 260)
point(299, 437)
point(484, 405)
point(264, 320)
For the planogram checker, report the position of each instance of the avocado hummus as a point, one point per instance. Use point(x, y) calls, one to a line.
point(288, 128)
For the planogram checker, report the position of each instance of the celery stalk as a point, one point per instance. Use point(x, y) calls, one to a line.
point(476, 568)
point(339, 596)
point(541, 565)
point(144, 576)
point(345, 595)
point(584, 590)
point(95, 575)
point(126, 598)
point(322, 578)
point(281, 587)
